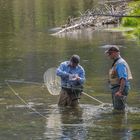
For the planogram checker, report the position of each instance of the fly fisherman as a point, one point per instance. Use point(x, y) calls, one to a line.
point(119, 76)
point(72, 79)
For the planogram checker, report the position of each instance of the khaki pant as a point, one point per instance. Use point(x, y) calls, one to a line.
point(68, 98)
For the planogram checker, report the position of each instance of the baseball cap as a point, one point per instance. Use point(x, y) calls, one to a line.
point(75, 59)
point(113, 48)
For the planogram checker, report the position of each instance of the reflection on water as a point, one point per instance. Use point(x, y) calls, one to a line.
point(27, 50)
point(77, 34)
point(53, 125)
point(65, 123)
point(87, 122)
point(123, 130)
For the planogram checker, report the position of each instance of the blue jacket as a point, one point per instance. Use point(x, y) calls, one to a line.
point(65, 71)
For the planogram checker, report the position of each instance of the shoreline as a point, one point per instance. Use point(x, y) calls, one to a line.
point(109, 13)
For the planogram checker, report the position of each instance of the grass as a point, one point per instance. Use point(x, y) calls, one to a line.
point(133, 22)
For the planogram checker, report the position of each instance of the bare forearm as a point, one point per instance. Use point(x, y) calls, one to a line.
point(122, 85)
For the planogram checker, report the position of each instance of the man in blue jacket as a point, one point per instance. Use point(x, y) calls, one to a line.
point(119, 76)
point(72, 77)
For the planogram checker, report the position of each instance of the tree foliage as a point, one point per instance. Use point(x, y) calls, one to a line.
point(133, 22)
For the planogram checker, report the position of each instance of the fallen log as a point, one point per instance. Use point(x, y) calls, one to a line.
point(98, 17)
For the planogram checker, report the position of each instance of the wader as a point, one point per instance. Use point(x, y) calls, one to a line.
point(119, 101)
point(69, 97)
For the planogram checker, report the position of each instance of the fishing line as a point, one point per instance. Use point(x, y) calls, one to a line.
point(28, 106)
point(22, 81)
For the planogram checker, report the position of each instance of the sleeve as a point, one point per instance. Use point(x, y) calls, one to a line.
point(82, 76)
point(121, 71)
point(61, 71)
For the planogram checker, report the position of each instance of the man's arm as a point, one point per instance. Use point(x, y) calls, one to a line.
point(122, 85)
point(81, 77)
point(122, 74)
point(60, 71)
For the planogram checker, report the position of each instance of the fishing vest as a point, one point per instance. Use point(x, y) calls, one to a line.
point(113, 76)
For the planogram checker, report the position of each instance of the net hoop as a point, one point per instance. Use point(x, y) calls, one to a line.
point(52, 81)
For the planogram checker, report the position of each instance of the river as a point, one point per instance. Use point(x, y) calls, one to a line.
point(27, 50)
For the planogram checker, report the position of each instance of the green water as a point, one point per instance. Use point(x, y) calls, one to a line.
point(27, 50)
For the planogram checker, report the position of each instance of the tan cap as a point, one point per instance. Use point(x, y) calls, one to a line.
point(113, 48)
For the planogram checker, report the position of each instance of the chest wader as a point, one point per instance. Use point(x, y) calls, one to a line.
point(118, 101)
point(70, 96)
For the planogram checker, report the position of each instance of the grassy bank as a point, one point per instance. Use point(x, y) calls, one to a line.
point(133, 22)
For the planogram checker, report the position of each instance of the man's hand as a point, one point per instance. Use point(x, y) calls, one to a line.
point(74, 77)
point(118, 93)
point(77, 77)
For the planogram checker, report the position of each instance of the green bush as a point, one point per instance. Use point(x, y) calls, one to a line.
point(130, 22)
point(133, 22)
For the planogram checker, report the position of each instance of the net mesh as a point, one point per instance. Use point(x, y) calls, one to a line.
point(52, 81)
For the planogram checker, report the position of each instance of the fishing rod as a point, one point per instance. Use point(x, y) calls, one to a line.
point(75, 88)
point(53, 84)
point(36, 83)
point(22, 81)
point(93, 98)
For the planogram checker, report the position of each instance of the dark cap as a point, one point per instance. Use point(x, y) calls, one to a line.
point(113, 48)
point(75, 59)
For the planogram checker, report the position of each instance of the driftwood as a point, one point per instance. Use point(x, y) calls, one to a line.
point(107, 13)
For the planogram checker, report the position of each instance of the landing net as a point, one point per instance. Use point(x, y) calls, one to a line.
point(52, 81)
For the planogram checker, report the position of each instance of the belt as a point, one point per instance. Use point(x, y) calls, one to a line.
point(115, 86)
point(72, 88)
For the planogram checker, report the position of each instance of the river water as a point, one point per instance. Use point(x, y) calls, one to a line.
point(27, 50)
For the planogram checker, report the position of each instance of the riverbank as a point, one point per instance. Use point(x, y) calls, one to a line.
point(133, 22)
point(108, 13)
